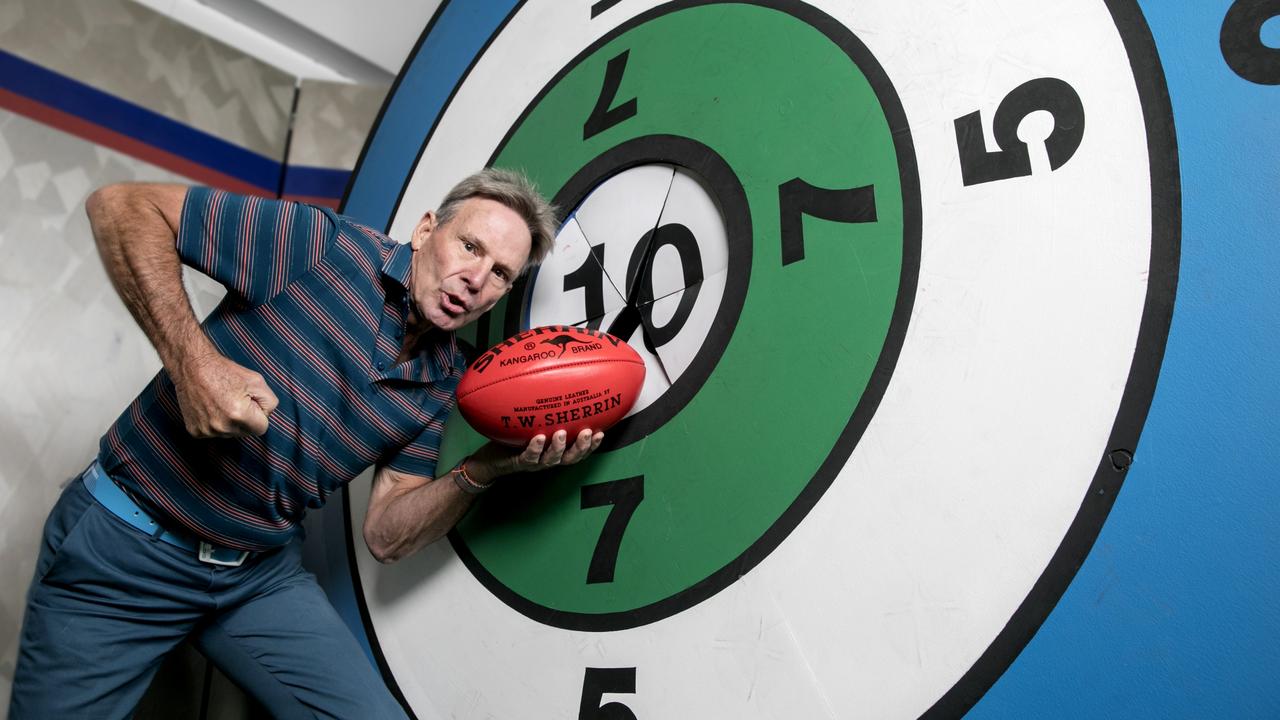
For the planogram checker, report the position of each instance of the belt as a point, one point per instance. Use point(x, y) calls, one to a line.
point(118, 501)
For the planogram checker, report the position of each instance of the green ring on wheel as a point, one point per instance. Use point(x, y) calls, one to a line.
point(748, 456)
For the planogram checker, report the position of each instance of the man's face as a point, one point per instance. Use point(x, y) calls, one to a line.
point(463, 267)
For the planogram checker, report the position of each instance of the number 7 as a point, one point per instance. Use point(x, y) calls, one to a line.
point(624, 495)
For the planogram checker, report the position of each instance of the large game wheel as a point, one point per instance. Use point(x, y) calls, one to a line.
point(902, 308)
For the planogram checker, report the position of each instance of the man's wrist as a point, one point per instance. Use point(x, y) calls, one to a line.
point(490, 462)
point(466, 480)
point(187, 351)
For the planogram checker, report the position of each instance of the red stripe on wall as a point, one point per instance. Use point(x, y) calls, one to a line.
point(99, 135)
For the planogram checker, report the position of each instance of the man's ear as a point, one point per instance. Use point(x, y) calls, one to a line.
point(423, 230)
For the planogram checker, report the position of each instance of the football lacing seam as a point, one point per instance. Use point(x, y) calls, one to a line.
point(534, 372)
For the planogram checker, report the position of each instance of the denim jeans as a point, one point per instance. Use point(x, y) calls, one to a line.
point(108, 601)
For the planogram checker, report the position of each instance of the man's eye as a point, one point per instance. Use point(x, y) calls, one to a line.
point(468, 246)
point(502, 274)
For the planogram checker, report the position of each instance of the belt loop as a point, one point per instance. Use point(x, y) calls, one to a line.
point(89, 476)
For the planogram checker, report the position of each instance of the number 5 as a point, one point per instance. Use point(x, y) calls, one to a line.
point(980, 165)
point(599, 681)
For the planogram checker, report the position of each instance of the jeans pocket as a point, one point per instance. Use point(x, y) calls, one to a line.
point(63, 525)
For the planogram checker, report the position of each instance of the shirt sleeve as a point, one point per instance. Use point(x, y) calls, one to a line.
point(253, 246)
point(420, 455)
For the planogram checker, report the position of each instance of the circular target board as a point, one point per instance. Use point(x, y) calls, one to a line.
point(901, 277)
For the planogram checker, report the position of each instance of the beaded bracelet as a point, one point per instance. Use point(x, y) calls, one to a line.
point(464, 481)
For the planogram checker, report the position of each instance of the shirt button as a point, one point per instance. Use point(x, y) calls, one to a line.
point(382, 365)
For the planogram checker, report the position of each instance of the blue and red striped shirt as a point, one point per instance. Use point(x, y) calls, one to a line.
point(317, 304)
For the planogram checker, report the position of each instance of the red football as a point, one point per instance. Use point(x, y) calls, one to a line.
point(547, 379)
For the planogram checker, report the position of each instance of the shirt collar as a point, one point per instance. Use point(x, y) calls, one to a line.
point(396, 263)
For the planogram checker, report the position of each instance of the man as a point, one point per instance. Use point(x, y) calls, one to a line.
point(333, 351)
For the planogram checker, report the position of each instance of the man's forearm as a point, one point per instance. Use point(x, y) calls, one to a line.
point(135, 228)
point(407, 513)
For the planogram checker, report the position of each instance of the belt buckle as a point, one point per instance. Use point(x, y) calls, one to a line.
point(214, 555)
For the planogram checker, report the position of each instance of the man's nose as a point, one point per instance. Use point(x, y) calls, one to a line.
point(477, 272)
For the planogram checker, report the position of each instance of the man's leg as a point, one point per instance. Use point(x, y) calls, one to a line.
point(286, 646)
point(101, 614)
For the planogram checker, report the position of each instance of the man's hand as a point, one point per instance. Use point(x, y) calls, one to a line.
point(219, 398)
point(493, 460)
point(406, 512)
point(540, 454)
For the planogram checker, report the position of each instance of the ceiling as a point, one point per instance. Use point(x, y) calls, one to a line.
point(338, 40)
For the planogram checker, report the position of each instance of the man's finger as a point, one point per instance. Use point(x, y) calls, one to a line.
point(255, 419)
point(580, 449)
point(256, 388)
point(533, 451)
point(553, 454)
point(266, 400)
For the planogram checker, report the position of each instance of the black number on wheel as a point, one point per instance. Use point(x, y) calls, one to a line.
point(603, 116)
point(640, 278)
point(599, 681)
point(597, 8)
point(797, 198)
point(624, 495)
point(1241, 41)
point(590, 277)
point(980, 165)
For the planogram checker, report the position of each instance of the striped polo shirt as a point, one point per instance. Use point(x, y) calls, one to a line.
point(317, 304)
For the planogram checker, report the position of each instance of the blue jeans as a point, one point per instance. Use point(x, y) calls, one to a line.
point(109, 601)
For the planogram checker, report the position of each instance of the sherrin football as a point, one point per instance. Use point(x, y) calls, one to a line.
point(550, 378)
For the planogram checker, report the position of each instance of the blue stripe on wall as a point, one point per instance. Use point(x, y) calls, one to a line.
point(75, 98)
point(315, 181)
point(415, 104)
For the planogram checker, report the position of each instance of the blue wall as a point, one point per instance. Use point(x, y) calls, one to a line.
point(1176, 612)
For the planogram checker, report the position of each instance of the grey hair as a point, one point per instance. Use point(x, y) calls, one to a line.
point(514, 190)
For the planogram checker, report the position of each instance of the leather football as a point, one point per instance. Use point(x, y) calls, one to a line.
point(550, 378)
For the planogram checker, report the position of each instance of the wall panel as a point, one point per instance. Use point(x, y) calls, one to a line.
point(94, 92)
